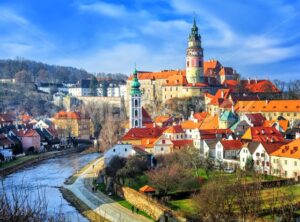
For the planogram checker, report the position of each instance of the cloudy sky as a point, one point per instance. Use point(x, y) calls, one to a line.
point(259, 38)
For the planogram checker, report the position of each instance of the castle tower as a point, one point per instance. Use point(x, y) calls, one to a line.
point(135, 104)
point(194, 57)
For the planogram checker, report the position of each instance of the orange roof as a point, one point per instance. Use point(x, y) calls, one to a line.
point(200, 116)
point(268, 106)
point(174, 129)
point(284, 124)
point(157, 75)
point(67, 115)
point(148, 142)
point(146, 189)
point(189, 124)
point(162, 119)
point(226, 71)
point(290, 150)
point(211, 67)
point(210, 122)
point(253, 86)
point(176, 80)
point(220, 96)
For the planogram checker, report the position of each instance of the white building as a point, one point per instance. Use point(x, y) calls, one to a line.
point(120, 150)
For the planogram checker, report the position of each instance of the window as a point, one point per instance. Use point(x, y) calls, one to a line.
point(200, 63)
point(136, 123)
point(162, 149)
point(262, 155)
point(136, 102)
point(295, 163)
point(125, 149)
point(163, 141)
point(267, 163)
point(285, 162)
point(257, 162)
point(114, 150)
point(187, 63)
point(135, 113)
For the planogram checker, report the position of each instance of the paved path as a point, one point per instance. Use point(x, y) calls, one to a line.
point(99, 202)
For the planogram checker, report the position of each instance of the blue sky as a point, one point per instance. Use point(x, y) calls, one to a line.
point(258, 38)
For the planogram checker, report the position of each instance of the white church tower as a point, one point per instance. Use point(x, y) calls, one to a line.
point(135, 103)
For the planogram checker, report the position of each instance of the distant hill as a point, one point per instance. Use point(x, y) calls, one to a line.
point(41, 72)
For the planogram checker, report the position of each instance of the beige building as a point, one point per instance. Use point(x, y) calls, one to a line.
point(285, 161)
point(288, 109)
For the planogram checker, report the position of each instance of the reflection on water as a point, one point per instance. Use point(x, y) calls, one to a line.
point(47, 176)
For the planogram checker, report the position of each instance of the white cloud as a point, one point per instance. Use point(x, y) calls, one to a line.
point(107, 9)
point(9, 16)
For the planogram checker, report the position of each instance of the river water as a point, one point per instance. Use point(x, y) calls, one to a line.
point(46, 177)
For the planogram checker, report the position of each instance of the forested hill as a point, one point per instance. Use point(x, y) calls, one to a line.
point(27, 70)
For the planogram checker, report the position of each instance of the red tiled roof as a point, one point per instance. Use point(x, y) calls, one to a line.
point(290, 150)
point(157, 75)
point(220, 96)
point(200, 116)
point(265, 134)
point(232, 144)
point(142, 133)
point(253, 86)
point(212, 133)
point(26, 133)
point(162, 119)
point(272, 147)
point(146, 117)
point(257, 119)
point(180, 143)
point(174, 129)
point(226, 71)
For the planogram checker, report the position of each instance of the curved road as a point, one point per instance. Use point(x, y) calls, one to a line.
point(100, 203)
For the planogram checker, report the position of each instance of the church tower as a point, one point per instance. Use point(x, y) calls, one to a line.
point(194, 57)
point(135, 105)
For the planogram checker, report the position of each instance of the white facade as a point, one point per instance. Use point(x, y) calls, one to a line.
point(136, 111)
point(261, 160)
point(120, 150)
point(244, 155)
point(162, 146)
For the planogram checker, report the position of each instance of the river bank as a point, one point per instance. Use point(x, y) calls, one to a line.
point(25, 161)
point(81, 207)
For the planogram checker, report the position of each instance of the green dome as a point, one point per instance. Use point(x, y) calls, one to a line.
point(135, 84)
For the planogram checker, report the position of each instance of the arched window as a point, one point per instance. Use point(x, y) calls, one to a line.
point(136, 102)
point(135, 113)
point(187, 63)
point(136, 123)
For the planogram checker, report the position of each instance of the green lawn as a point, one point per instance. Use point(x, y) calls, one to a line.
point(18, 161)
point(121, 201)
point(185, 205)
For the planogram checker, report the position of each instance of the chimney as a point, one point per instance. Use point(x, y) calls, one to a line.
point(267, 101)
point(255, 80)
point(248, 80)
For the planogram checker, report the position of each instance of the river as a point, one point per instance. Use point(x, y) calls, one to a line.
point(47, 176)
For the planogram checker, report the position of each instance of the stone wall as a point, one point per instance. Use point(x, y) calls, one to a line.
point(149, 205)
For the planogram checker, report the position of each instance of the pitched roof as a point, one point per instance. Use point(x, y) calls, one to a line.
point(4, 117)
point(69, 115)
point(268, 106)
point(231, 144)
point(210, 122)
point(290, 150)
point(162, 119)
point(211, 143)
point(174, 129)
point(146, 118)
point(253, 86)
point(26, 133)
point(143, 133)
point(200, 116)
point(146, 189)
point(189, 124)
point(180, 143)
point(252, 146)
point(212, 133)
point(157, 75)
point(272, 147)
point(220, 96)
point(226, 71)
point(263, 134)
point(257, 119)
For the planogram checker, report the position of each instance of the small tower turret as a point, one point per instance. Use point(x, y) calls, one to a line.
point(135, 103)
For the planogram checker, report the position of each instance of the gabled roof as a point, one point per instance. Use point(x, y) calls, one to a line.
point(231, 144)
point(290, 150)
point(174, 129)
point(228, 115)
point(272, 147)
point(220, 96)
point(146, 118)
point(253, 86)
point(200, 116)
point(226, 71)
point(70, 115)
point(147, 189)
point(263, 134)
point(210, 122)
point(257, 119)
point(162, 119)
point(268, 106)
point(212, 133)
point(143, 133)
point(252, 146)
point(180, 143)
point(157, 75)
point(189, 124)
point(211, 143)
point(26, 133)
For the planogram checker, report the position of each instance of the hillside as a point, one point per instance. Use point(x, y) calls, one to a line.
point(40, 72)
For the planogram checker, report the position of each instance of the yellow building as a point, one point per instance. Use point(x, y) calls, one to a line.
point(285, 162)
point(288, 109)
point(73, 124)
